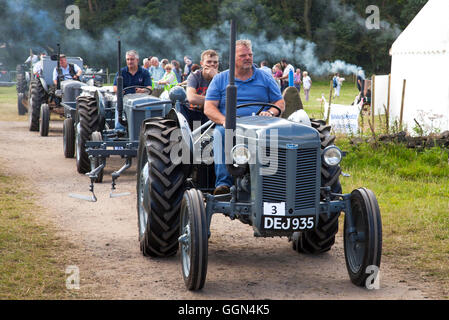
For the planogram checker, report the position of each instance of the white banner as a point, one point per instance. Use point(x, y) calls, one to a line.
point(344, 119)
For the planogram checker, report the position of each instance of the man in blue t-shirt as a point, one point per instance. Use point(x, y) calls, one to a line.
point(253, 85)
point(133, 75)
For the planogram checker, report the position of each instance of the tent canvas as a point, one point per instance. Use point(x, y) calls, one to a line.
point(420, 56)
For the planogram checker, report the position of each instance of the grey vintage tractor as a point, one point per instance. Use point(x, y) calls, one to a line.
point(96, 137)
point(45, 98)
point(286, 183)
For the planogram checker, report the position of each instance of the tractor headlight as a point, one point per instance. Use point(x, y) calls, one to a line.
point(332, 156)
point(240, 154)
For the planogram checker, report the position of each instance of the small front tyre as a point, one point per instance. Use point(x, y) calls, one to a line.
point(68, 130)
point(96, 162)
point(193, 240)
point(362, 236)
point(44, 120)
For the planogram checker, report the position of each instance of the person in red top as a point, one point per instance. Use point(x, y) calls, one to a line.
point(197, 84)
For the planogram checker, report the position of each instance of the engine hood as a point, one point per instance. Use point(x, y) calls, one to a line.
point(287, 131)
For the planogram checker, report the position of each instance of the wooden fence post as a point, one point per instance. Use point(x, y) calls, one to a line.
point(387, 113)
point(402, 104)
point(373, 90)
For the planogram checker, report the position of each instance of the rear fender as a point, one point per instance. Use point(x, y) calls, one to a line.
point(44, 84)
point(100, 102)
point(183, 125)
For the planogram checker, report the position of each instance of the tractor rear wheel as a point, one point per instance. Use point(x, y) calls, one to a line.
point(20, 107)
point(322, 238)
point(37, 99)
point(21, 84)
point(87, 112)
point(160, 187)
point(44, 120)
point(68, 139)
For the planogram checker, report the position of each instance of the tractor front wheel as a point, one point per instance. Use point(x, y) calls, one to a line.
point(194, 240)
point(44, 120)
point(363, 237)
point(96, 137)
point(68, 139)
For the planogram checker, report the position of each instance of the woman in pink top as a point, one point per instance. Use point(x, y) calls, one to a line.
point(277, 73)
point(297, 79)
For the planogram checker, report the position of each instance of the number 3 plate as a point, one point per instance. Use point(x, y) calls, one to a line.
point(274, 218)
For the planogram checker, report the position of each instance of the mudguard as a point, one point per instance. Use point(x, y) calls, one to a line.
point(183, 125)
point(44, 84)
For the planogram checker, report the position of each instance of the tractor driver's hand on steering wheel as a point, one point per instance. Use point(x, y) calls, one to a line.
point(268, 113)
point(141, 90)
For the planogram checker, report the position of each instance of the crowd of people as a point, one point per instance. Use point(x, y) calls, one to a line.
point(206, 89)
point(177, 76)
point(166, 74)
point(283, 70)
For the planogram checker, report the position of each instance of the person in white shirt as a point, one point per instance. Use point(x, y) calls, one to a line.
point(38, 66)
point(306, 83)
point(68, 71)
point(32, 58)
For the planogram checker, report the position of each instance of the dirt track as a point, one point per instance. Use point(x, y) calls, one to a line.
point(104, 237)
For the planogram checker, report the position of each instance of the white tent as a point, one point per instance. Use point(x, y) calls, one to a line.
point(420, 56)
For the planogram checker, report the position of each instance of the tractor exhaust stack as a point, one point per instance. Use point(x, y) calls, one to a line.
point(231, 109)
point(120, 86)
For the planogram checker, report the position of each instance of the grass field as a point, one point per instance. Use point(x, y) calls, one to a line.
point(412, 189)
point(31, 255)
point(8, 105)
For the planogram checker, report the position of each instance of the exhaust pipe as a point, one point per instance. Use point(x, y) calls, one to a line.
point(58, 81)
point(120, 87)
point(231, 108)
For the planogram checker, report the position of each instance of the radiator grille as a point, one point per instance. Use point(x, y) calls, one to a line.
point(306, 179)
point(274, 185)
point(304, 171)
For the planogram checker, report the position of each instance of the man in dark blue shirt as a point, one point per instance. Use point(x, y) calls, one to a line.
point(133, 75)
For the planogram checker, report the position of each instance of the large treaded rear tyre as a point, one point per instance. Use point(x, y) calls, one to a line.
point(21, 85)
point(21, 110)
point(37, 99)
point(322, 238)
point(87, 113)
point(160, 187)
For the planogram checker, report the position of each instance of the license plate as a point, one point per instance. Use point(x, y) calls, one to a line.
point(288, 223)
point(275, 219)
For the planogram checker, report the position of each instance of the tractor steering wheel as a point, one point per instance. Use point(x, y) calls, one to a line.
point(150, 91)
point(263, 104)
